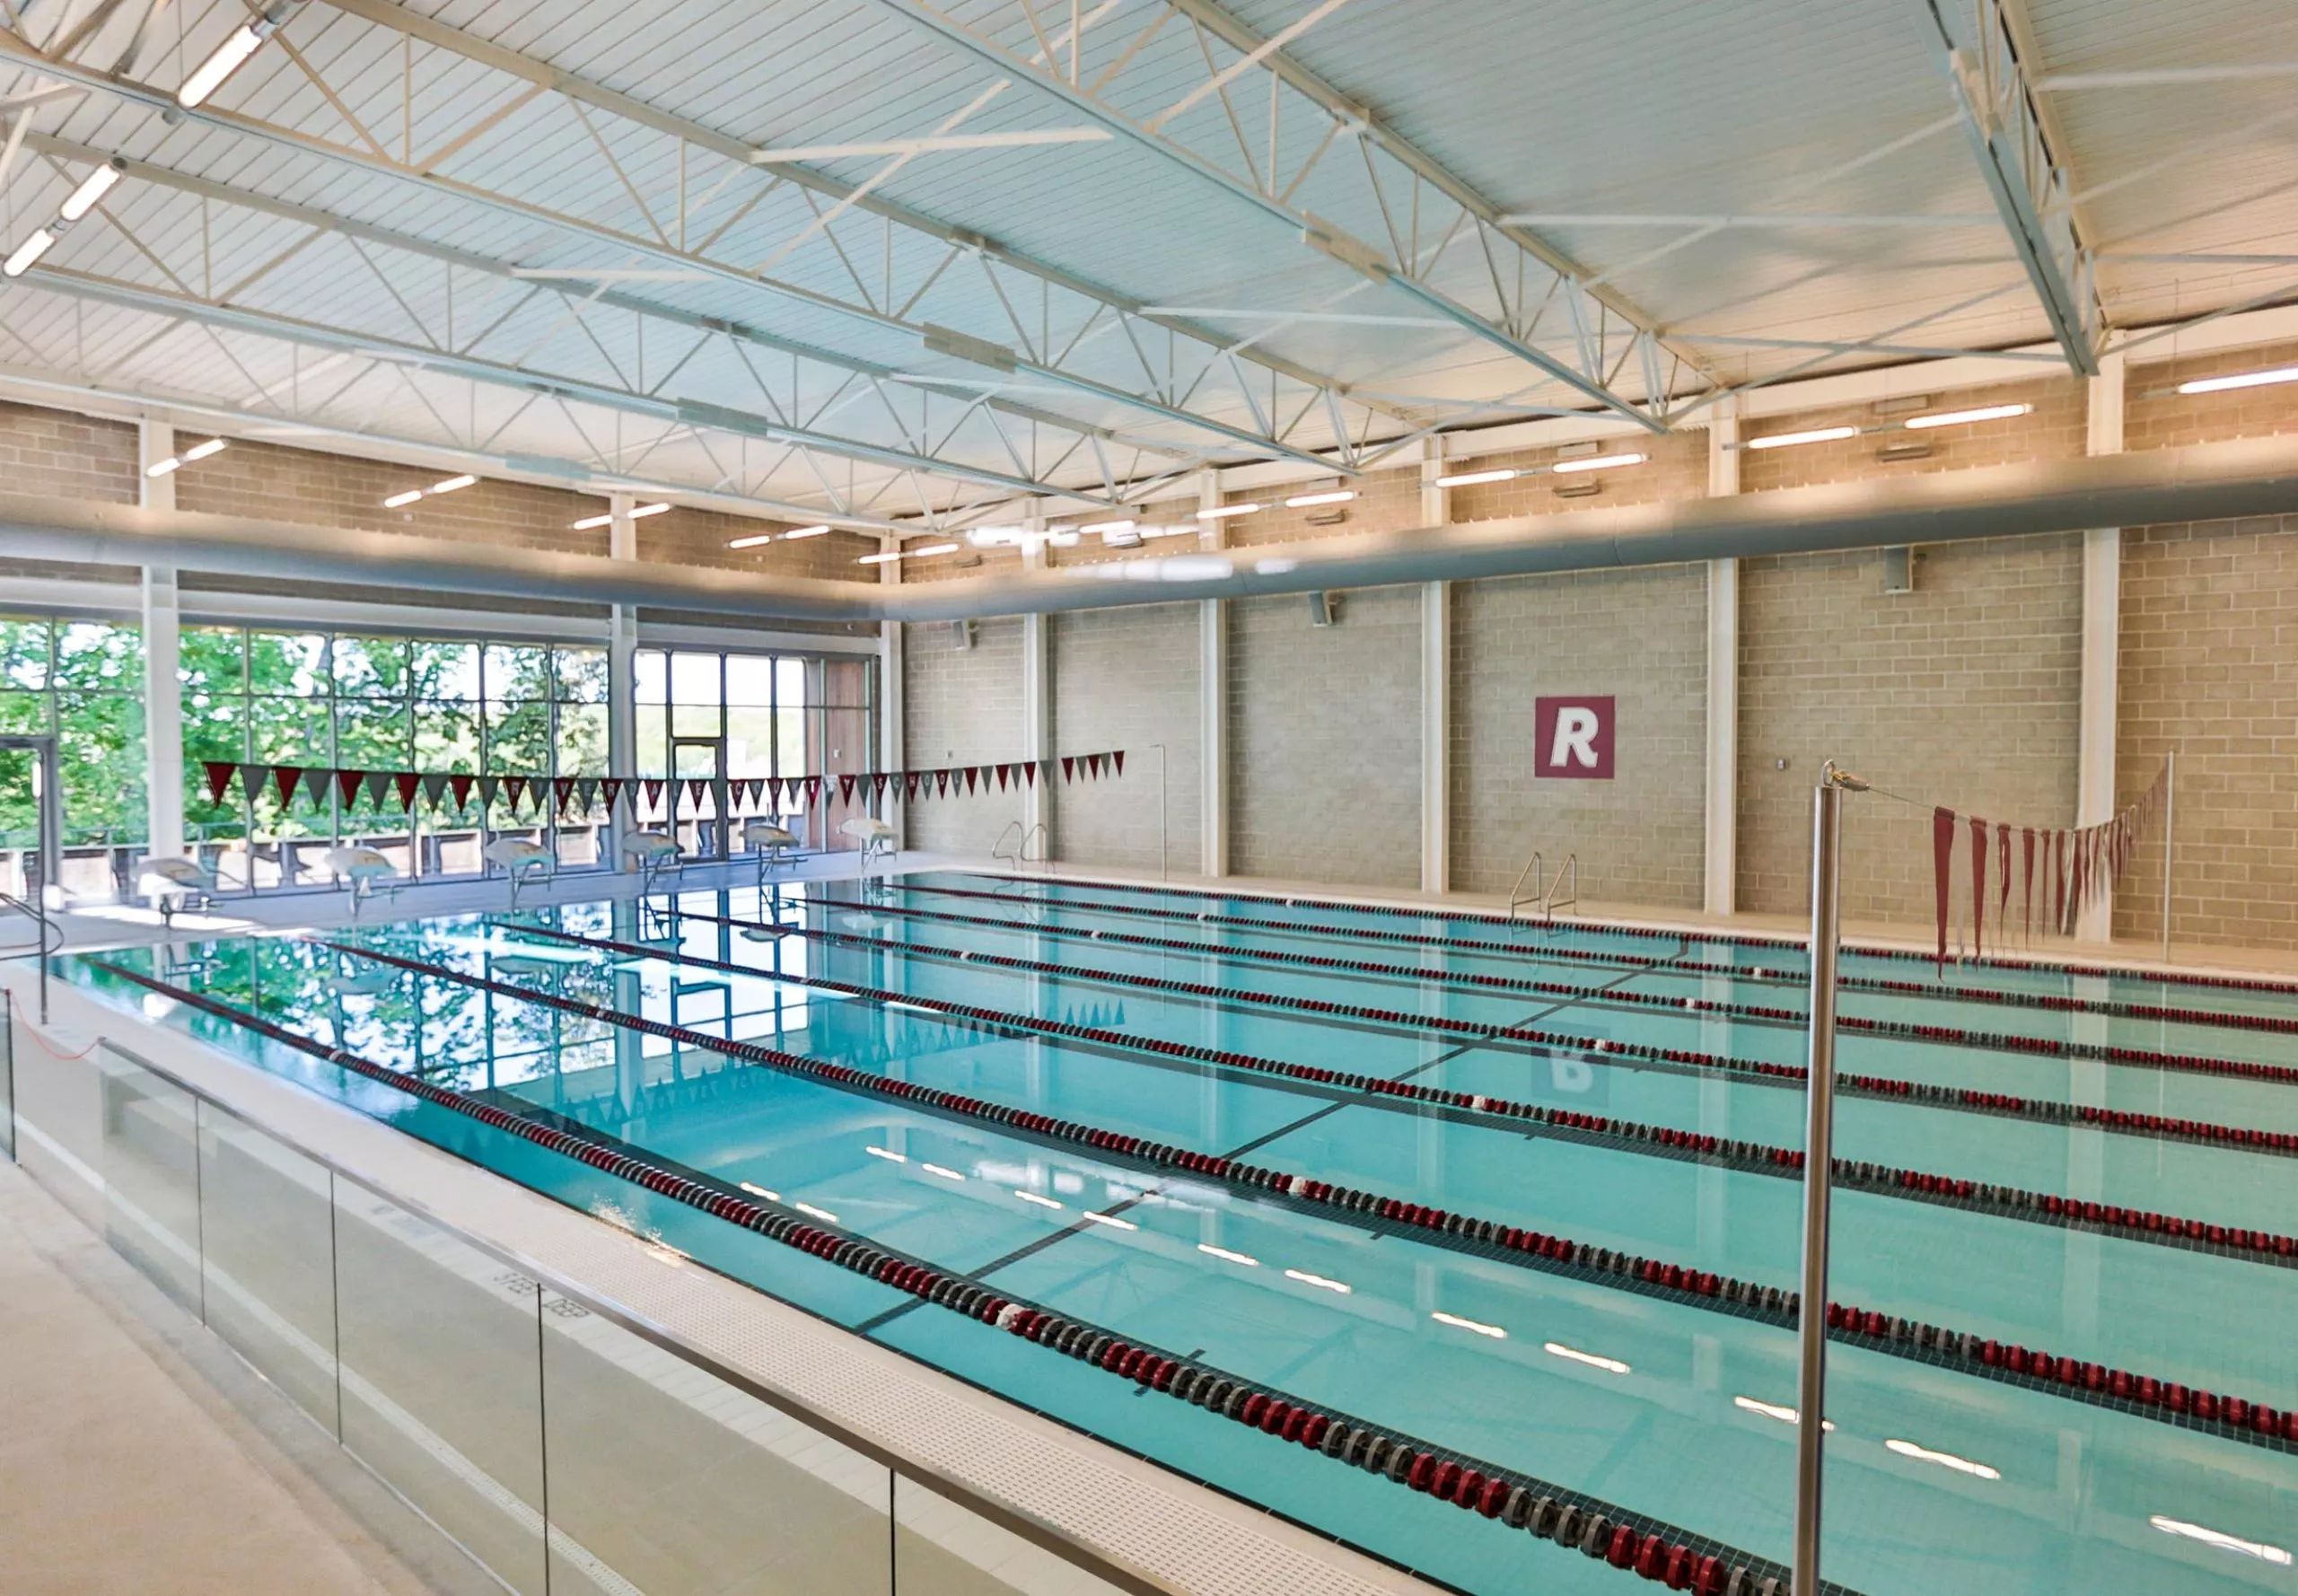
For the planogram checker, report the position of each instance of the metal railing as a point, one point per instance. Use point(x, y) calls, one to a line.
point(1544, 893)
point(44, 930)
point(1013, 845)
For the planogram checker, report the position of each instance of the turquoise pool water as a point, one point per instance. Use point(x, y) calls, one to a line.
point(1663, 1404)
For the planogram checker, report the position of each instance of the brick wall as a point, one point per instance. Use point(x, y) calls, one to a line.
point(1324, 727)
point(1129, 678)
point(1964, 692)
point(2055, 429)
point(1639, 635)
point(56, 452)
point(961, 706)
point(1676, 468)
point(2208, 668)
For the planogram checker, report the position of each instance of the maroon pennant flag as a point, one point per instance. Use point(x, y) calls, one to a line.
point(219, 777)
point(846, 789)
point(459, 784)
point(1029, 770)
point(696, 786)
point(1004, 774)
point(611, 786)
point(654, 791)
point(562, 790)
point(909, 785)
point(2003, 880)
point(1069, 768)
point(289, 779)
point(1942, 856)
point(973, 774)
point(1118, 758)
point(774, 793)
point(347, 783)
point(941, 783)
point(2079, 847)
point(406, 781)
point(515, 788)
point(1093, 765)
point(813, 791)
point(1978, 884)
point(2059, 880)
point(2029, 877)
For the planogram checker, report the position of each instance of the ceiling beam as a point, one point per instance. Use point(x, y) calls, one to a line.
point(2031, 191)
point(788, 166)
point(1605, 334)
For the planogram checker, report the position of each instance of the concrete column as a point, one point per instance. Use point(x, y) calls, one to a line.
point(893, 725)
point(1212, 700)
point(1038, 805)
point(1721, 850)
point(163, 654)
point(1435, 690)
point(2094, 786)
point(622, 684)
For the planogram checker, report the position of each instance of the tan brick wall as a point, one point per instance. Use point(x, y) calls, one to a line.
point(1639, 635)
point(1129, 678)
point(1324, 727)
point(2057, 429)
point(1677, 469)
point(2207, 667)
point(2157, 415)
point(56, 453)
point(961, 706)
point(1965, 692)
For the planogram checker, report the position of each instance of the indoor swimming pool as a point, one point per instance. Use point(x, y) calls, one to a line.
point(1465, 1242)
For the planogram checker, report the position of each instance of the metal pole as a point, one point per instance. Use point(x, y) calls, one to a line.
point(2169, 826)
point(1818, 1163)
point(1163, 826)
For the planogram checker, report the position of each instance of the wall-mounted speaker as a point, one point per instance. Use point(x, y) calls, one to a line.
point(961, 634)
point(1899, 570)
point(1324, 610)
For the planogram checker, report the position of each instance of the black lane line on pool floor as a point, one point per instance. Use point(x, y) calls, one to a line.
point(1031, 1249)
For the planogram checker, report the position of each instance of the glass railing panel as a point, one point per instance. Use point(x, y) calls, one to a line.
point(59, 1120)
point(943, 1548)
point(667, 1479)
point(150, 1172)
point(266, 1226)
point(443, 1380)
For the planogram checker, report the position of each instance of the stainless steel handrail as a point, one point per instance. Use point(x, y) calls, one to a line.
point(1543, 896)
point(967, 1497)
point(46, 926)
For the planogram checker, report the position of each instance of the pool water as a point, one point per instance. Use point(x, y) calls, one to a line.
point(1097, 1005)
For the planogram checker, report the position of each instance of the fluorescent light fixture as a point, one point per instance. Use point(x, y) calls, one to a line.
point(1222, 1252)
point(885, 1152)
point(1105, 527)
point(2231, 1543)
point(453, 484)
point(771, 1196)
point(592, 523)
point(1477, 478)
point(1457, 1323)
point(1306, 1278)
point(935, 549)
point(1599, 462)
point(731, 542)
point(401, 500)
point(805, 532)
point(164, 467)
point(1112, 1220)
point(202, 450)
point(1609, 1365)
point(1818, 434)
point(824, 1215)
point(229, 57)
point(29, 253)
point(1785, 1415)
point(884, 556)
point(1945, 1460)
point(946, 1174)
point(92, 188)
point(643, 510)
point(1221, 511)
point(1959, 418)
point(2281, 374)
point(1042, 1202)
point(1303, 501)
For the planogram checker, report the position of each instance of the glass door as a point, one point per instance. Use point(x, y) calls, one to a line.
point(701, 812)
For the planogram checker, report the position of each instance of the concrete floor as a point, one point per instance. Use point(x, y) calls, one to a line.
point(138, 1455)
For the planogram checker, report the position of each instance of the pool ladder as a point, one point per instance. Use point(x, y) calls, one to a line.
point(1543, 896)
point(1013, 845)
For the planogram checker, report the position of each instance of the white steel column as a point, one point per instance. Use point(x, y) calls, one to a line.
point(893, 727)
point(622, 684)
point(1038, 806)
point(1435, 689)
point(1721, 850)
point(162, 654)
point(2094, 784)
point(1212, 701)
